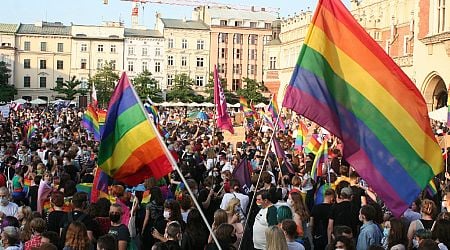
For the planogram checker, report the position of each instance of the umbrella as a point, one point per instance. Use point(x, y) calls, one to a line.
point(201, 115)
point(38, 101)
point(20, 101)
point(439, 114)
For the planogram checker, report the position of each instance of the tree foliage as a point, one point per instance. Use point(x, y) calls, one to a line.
point(146, 85)
point(69, 89)
point(252, 91)
point(229, 96)
point(182, 90)
point(7, 91)
point(105, 80)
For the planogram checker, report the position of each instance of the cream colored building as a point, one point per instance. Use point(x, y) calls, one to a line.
point(42, 58)
point(186, 49)
point(237, 41)
point(8, 47)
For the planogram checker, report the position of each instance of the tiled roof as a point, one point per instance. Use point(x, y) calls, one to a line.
point(45, 29)
point(8, 28)
point(142, 33)
point(226, 13)
point(184, 24)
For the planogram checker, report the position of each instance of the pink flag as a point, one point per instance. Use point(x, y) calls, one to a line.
point(223, 120)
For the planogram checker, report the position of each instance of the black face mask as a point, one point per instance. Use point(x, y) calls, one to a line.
point(114, 217)
point(233, 239)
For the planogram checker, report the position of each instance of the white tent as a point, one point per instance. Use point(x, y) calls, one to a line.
point(38, 101)
point(439, 114)
point(20, 101)
point(260, 105)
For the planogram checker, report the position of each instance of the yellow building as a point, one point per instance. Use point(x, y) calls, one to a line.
point(8, 47)
point(42, 58)
point(237, 41)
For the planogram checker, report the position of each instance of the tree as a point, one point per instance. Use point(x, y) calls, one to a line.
point(182, 90)
point(252, 91)
point(146, 85)
point(69, 88)
point(105, 80)
point(229, 96)
point(7, 91)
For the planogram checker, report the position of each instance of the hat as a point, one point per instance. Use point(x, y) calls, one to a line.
point(346, 191)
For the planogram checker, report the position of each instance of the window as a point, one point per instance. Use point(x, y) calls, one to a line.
point(272, 62)
point(222, 68)
point(223, 22)
point(253, 24)
point(237, 23)
point(59, 81)
point(223, 37)
point(26, 63)
point(170, 43)
point(200, 44)
point(237, 69)
point(157, 52)
point(43, 64)
point(170, 60)
point(43, 46)
point(199, 81)
point(113, 64)
point(83, 63)
point(83, 47)
point(157, 67)
point(252, 54)
point(99, 63)
point(130, 51)
point(130, 66)
point(236, 84)
point(223, 53)
point(237, 53)
point(169, 80)
point(42, 82)
point(60, 47)
point(183, 61)
point(27, 46)
point(200, 61)
point(100, 48)
point(184, 44)
point(237, 39)
point(144, 66)
point(253, 39)
point(144, 51)
point(59, 64)
point(84, 83)
point(267, 39)
point(113, 48)
point(251, 69)
point(26, 81)
point(268, 25)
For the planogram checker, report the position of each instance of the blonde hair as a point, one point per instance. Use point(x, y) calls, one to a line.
point(232, 205)
point(275, 239)
point(77, 237)
point(428, 207)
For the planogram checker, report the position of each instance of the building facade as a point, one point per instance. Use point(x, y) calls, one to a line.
point(42, 59)
point(144, 51)
point(237, 41)
point(186, 49)
point(8, 47)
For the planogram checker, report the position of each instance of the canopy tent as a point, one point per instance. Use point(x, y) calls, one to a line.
point(20, 101)
point(260, 105)
point(439, 114)
point(38, 101)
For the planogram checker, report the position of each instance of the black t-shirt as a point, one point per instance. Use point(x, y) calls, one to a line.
point(321, 214)
point(343, 213)
point(72, 171)
point(120, 232)
point(214, 204)
point(172, 245)
point(357, 194)
point(90, 224)
point(54, 219)
point(33, 194)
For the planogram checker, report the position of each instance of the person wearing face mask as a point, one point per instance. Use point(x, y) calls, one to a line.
point(119, 230)
point(7, 208)
point(265, 218)
point(79, 203)
point(370, 234)
point(172, 212)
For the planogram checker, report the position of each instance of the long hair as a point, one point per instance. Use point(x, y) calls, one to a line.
point(175, 211)
point(196, 229)
point(220, 217)
point(299, 206)
point(397, 233)
point(77, 237)
point(231, 206)
point(275, 239)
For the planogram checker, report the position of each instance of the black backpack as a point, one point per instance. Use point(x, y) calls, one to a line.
point(67, 223)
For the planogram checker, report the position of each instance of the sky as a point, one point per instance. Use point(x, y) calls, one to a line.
point(94, 12)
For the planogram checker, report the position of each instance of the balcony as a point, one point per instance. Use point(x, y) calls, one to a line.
point(404, 61)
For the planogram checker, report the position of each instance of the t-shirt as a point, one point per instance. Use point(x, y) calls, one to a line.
point(120, 232)
point(90, 224)
point(10, 209)
point(321, 214)
point(266, 217)
point(213, 204)
point(343, 213)
point(54, 219)
point(294, 245)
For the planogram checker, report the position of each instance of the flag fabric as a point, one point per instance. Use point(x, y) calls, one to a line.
point(255, 113)
point(151, 109)
point(130, 148)
point(268, 121)
point(321, 157)
point(101, 114)
point(243, 175)
point(99, 186)
point(90, 122)
point(31, 131)
point(223, 120)
point(358, 93)
point(248, 113)
point(279, 152)
point(320, 193)
point(94, 101)
point(275, 111)
point(313, 144)
point(431, 188)
point(300, 139)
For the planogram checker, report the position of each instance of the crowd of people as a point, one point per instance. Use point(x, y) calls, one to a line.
point(44, 203)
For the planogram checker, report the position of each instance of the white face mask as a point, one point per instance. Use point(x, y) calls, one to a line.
point(289, 202)
point(415, 243)
point(166, 214)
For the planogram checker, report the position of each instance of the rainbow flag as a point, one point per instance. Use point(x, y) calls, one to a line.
point(99, 185)
point(313, 144)
point(101, 114)
point(268, 121)
point(90, 122)
point(151, 109)
point(255, 113)
point(274, 110)
point(431, 188)
point(130, 149)
point(357, 92)
point(320, 193)
point(302, 131)
point(248, 113)
point(321, 157)
point(31, 131)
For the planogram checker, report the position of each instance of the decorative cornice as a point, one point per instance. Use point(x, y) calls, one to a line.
point(438, 38)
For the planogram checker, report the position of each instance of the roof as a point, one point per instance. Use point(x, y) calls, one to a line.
point(142, 33)
point(8, 28)
point(45, 29)
point(275, 41)
point(184, 24)
point(226, 13)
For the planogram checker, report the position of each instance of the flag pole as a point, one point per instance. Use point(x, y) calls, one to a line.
point(175, 166)
point(259, 177)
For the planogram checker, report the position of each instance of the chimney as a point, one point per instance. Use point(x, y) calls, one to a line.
point(263, 9)
point(253, 9)
point(158, 15)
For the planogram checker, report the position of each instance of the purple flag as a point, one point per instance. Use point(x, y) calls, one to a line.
point(280, 154)
point(242, 174)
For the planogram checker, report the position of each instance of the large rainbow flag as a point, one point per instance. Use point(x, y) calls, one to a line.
point(345, 82)
point(90, 122)
point(321, 157)
point(131, 150)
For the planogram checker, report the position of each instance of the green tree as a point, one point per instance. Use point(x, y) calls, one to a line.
point(69, 89)
point(209, 89)
point(146, 85)
point(7, 91)
point(105, 80)
point(252, 91)
point(182, 90)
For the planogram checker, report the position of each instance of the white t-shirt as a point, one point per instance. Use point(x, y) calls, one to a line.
point(228, 196)
point(10, 209)
point(259, 229)
point(294, 245)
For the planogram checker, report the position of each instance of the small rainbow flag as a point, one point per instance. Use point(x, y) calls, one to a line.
point(248, 113)
point(101, 114)
point(151, 109)
point(275, 111)
point(31, 131)
point(313, 144)
point(99, 186)
point(255, 114)
point(90, 122)
point(321, 157)
point(130, 149)
point(300, 139)
point(431, 188)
